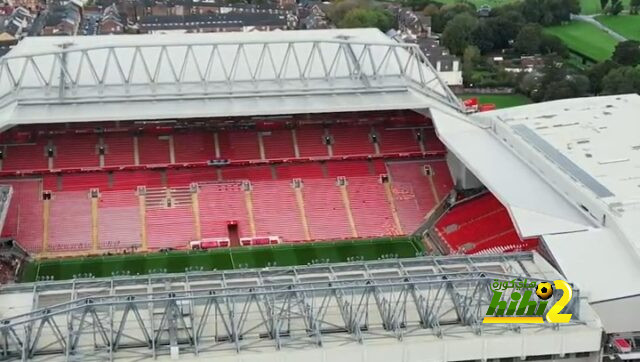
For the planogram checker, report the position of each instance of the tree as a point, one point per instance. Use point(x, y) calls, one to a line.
point(483, 36)
point(417, 5)
point(549, 12)
point(597, 72)
point(634, 7)
point(433, 10)
point(367, 18)
point(603, 4)
point(470, 58)
point(529, 39)
point(506, 26)
point(551, 44)
point(615, 8)
point(339, 8)
point(622, 80)
point(458, 33)
point(448, 12)
point(627, 53)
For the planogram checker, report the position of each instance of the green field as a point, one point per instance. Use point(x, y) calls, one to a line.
point(585, 39)
point(500, 100)
point(220, 259)
point(625, 25)
point(591, 7)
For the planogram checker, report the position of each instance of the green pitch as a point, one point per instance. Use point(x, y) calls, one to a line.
point(221, 259)
point(585, 39)
point(500, 100)
point(625, 25)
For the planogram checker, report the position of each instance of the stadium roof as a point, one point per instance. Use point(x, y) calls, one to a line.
point(407, 309)
point(128, 77)
point(568, 171)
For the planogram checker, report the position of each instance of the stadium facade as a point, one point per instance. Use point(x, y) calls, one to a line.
point(551, 166)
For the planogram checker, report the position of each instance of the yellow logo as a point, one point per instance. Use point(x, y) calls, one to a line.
point(523, 308)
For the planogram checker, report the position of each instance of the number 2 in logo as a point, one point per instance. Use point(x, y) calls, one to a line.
point(554, 316)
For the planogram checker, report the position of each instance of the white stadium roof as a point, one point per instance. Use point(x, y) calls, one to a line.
point(62, 79)
point(569, 172)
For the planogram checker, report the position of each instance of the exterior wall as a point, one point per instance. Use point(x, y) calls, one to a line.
point(620, 315)
point(463, 178)
point(451, 78)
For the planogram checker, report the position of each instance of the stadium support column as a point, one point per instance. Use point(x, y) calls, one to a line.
point(296, 148)
point(142, 207)
point(195, 205)
point(216, 144)
point(136, 151)
point(172, 150)
point(263, 155)
point(101, 154)
point(248, 200)
point(95, 243)
point(374, 139)
point(297, 189)
point(342, 184)
point(392, 203)
point(329, 146)
point(419, 135)
point(46, 207)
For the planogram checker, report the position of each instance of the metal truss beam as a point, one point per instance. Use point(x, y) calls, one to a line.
point(75, 74)
point(281, 308)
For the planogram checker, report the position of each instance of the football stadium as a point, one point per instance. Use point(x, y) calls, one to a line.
point(318, 195)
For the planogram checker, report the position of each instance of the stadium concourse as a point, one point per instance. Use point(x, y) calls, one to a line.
point(238, 143)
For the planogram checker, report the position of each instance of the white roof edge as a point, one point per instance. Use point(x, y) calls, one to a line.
point(540, 211)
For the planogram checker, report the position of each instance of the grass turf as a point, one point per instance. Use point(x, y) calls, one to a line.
point(220, 259)
point(625, 25)
point(585, 39)
point(500, 100)
point(591, 7)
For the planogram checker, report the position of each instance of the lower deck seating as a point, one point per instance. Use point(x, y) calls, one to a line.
point(325, 210)
point(480, 225)
point(119, 223)
point(219, 204)
point(70, 221)
point(226, 208)
point(24, 218)
point(276, 211)
point(370, 207)
point(170, 227)
point(414, 191)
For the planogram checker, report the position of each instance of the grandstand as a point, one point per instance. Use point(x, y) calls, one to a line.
point(283, 154)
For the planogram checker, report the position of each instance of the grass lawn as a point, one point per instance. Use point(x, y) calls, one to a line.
point(586, 39)
point(500, 100)
point(221, 259)
point(590, 7)
point(625, 25)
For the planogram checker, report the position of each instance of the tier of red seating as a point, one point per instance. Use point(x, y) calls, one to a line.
point(71, 152)
point(266, 206)
point(480, 225)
